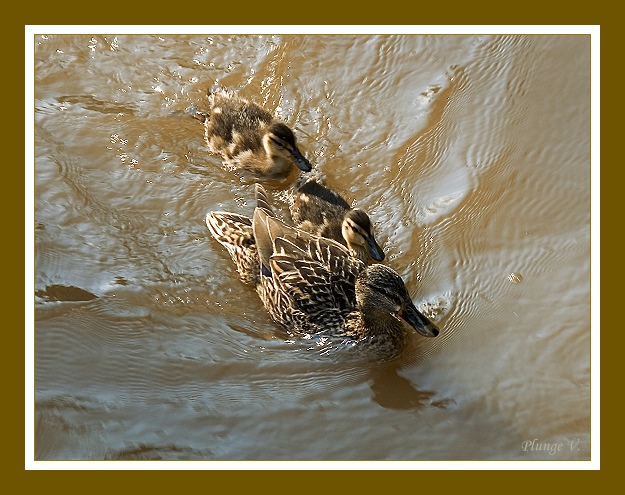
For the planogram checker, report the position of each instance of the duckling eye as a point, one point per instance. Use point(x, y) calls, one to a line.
point(357, 230)
point(278, 143)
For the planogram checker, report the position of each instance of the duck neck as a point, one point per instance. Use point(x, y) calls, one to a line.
point(359, 252)
point(276, 167)
point(377, 326)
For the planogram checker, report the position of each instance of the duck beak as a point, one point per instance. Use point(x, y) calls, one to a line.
point(419, 321)
point(374, 249)
point(300, 161)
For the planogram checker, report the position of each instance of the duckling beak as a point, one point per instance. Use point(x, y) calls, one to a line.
point(374, 249)
point(419, 321)
point(300, 161)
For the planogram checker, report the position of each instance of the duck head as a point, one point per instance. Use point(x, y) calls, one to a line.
point(279, 141)
point(358, 233)
point(381, 291)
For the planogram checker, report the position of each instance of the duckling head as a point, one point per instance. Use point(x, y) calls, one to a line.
point(279, 141)
point(358, 233)
point(381, 292)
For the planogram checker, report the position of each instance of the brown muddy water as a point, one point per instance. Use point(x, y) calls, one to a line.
point(470, 153)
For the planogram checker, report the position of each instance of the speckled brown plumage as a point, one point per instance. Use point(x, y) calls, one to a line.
point(313, 285)
point(249, 139)
point(321, 211)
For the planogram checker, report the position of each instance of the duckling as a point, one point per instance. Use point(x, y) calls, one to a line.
point(319, 210)
point(249, 139)
point(330, 217)
point(313, 285)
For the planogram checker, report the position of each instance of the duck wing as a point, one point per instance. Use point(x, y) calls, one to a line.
point(318, 280)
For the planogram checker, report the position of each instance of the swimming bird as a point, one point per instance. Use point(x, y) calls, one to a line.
point(249, 139)
point(236, 234)
point(313, 285)
point(319, 210)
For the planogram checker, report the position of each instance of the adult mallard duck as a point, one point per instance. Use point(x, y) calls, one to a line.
point(249, 139)
point(313, 285)
point(326, 214)
point(236, 234)
point(319, 210)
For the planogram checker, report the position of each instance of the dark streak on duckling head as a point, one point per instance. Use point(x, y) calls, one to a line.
point(358, 232)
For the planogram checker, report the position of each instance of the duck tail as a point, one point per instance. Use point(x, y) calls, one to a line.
point(236, 234)
point(217, 89)
point(315, 175)
point(262, 200)
point(203, 117)
point(214, 87)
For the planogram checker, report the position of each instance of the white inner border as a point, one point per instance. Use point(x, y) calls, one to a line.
point(33, 30)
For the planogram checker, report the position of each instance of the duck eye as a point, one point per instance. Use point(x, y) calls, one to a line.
point(277, 143)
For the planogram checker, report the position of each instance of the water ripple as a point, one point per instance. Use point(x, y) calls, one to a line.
point(470, 154)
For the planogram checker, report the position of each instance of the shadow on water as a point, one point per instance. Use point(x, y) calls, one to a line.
point(57, 292)
point(393, 391)
point(89, 102)
point(147, 346)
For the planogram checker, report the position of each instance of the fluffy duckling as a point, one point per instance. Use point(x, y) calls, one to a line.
point(321, 211)
point(249, 139)
point(313, 285)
